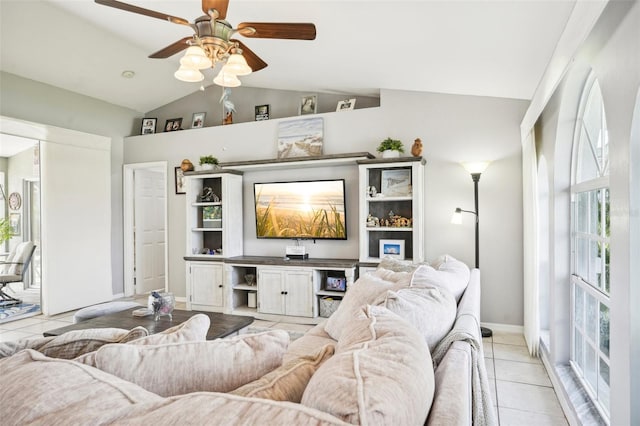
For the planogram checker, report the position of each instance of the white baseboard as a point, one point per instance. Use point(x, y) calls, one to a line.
point(118, 296)
point(504, 328)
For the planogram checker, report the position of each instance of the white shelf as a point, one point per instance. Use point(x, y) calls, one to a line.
point(206, 203)
point(240, 310)
point(206, 229)
point(330, 293)
point(386, 199)
point(388, 228)
point(245, 287)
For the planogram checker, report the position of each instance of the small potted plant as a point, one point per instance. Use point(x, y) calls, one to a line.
point(208, 162)
point(390, 148)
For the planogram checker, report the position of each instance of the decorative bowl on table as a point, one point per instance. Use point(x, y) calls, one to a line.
point(162, 304)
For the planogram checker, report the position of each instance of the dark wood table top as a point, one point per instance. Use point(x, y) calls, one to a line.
point(222, 325)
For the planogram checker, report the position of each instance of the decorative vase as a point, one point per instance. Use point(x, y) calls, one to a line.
point(390, 153)
point(161, 304)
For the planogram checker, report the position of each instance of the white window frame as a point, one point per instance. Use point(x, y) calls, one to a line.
point(589, 289)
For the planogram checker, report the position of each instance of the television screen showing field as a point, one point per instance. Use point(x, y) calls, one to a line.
point(310, 210)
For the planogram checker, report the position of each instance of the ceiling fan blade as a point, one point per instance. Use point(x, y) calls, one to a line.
point(252, 59)
point(143, 11)
point(291, 31)
point(171, 49)
point(219, 5)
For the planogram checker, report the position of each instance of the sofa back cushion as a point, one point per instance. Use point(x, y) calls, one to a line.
point(220, 365)
point(287, 382)
point(363, 292)
point(431, 310)
point(449, 273)
point(381, 373)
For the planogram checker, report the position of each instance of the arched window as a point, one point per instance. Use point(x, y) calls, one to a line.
point(590, 285)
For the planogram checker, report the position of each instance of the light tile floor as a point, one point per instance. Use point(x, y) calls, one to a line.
point(520, 386)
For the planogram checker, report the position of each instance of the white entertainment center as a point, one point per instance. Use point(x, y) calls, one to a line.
point(390, 217)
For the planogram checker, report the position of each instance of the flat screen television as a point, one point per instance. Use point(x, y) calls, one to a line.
point(312, 210)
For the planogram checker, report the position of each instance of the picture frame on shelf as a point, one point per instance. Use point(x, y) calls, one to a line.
point(303, 137)
point(15, 224)
point(180, 183)
point(308, 105)
point(197, 122)
point(346, 105)
point(261, 112)
point(148, 126)
point(395, 183)
point(173, 124)
point(392, 248)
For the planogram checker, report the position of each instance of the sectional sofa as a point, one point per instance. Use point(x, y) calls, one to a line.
point(403, 348)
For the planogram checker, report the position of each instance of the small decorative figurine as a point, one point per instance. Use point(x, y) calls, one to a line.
point(416, 148)
point(186, 165)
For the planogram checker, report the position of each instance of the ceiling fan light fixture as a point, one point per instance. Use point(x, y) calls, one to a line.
point(188, 74)
point(195, 57)
point(237, 64)
point(226, 79)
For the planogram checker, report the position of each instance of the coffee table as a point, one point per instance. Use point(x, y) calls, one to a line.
point(222, 325)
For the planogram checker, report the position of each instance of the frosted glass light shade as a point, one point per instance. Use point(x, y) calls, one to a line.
point(236, 64)
point(226, 79)
point(188, 74)
point(456, 218)
point(476, 166)
point(195, 58)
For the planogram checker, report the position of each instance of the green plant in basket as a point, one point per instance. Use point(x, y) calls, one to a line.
point(390, 145)
point(208, 159)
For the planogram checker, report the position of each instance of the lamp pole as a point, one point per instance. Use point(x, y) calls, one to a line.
point(476, 178)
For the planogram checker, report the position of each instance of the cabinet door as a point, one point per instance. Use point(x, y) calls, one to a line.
point(206, 284)
point(270, 292)
point(299, 293)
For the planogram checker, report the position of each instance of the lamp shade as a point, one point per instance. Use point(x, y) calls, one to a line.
point(236, 64)
point(188, 74)
point(456, 218)
point(195, 57)
point(226, 79)
point(476, 166)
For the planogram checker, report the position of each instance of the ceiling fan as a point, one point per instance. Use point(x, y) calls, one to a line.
point(212, 43)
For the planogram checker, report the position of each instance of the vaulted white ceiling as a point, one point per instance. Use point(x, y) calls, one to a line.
point(474, 47)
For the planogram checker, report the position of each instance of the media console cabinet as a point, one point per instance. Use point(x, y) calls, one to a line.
point(280, 286)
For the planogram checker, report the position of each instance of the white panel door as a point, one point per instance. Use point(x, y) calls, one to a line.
point(270, 292)
point(299, 295)
point(76, 224)
point(206, 284)
point(149, 225)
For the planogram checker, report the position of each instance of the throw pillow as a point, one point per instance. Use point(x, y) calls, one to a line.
point(431, 310)
point(287, 382)
point(381, 373)
point(220, 365)
point(193, 329)
point(451, 274)
point(73, 343)
point(397, 265)
point(362, 292)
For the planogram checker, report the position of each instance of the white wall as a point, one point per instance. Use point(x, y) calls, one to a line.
point(453, 129)
point(40, 103)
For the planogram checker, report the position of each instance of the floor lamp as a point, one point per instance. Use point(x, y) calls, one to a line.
point(476, 170)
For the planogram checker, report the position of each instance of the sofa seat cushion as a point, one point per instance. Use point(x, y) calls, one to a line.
point(220, 365)
point(381, 373)
point(73, 343)
point(431, 310)
point(287, 382)
point(68, 393)
point(449, 273)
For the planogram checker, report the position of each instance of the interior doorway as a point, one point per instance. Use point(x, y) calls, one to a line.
point(145, 228)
